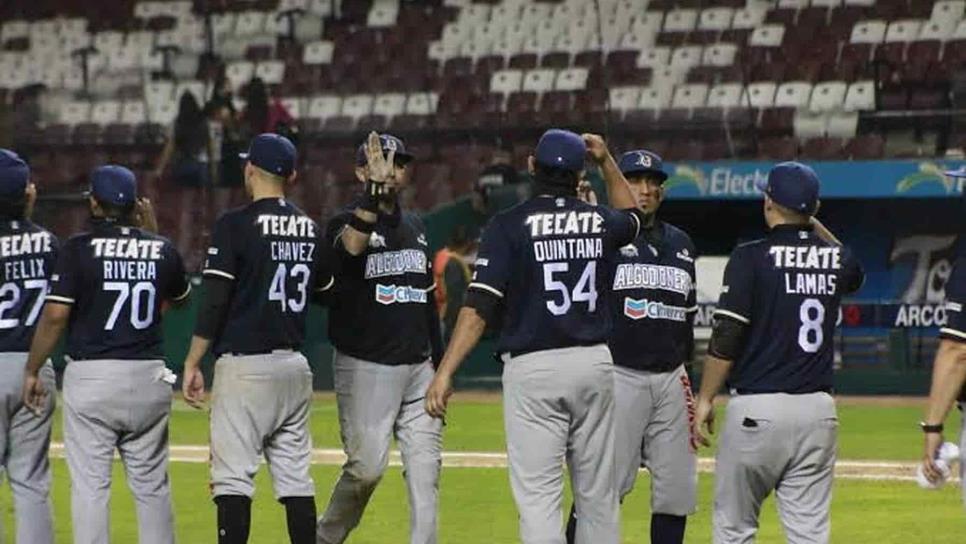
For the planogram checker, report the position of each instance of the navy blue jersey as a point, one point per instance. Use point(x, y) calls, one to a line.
point(955, 328)
point(654, 300)
point(27, 257)
point(378, 311)
point(116, 279)
point(787, 288)
point(273, 253)
point(547, 258)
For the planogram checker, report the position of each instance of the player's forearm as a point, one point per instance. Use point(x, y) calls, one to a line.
point(822, 232)
point(948, 377)
point(713, 377)
point(469, 329)
point(44, 341)
point(618, 191)
point(355, 240)
point(199, 347)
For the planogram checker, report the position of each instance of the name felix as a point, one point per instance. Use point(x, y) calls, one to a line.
point(27, 244)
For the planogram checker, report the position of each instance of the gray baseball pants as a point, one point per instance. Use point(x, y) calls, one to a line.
point(260, 407)
point(25, 441)
point(653, 428)
point(779, 442)
point(122, 405)
point(558, 406)
point(376, 403)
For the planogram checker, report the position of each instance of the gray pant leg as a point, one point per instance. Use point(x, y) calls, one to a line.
point(420, 439)
point(804, 495)
point(369, 396)
point(668, 450)
point(236, 441)
point(537, 429)
point(144, 453)
point(26, 439)
point(590, 455)
point(749, 463)
point(288, 451)
point(89, 445)
point(632, 411)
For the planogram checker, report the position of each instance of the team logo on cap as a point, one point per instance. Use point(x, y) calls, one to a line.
point(390, 144)
point(643, 160)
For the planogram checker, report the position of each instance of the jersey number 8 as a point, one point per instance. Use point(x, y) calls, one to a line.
point(584, 291)
point(810, 334)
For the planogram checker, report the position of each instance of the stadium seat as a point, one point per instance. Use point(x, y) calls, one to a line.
point(324, 107)
point(571, 79)
point(690, 96)
point(760, 95)
point(105, 112)
point(624, 98)
point(680, 20)
point(539, 81)
point(249, 23)
point(872, 32)
point(948, 10)
point(783, 148)
point(239, 73)
point(133, 112)
point(937, 30)
point(748, 17)
point(272, 72)
point(721, 54)
point(767, 36)
point(726, 95)
point(793, 94)
point(866, 147)
point(686, 57)
point(196, 88)
point(715, 19)
point(655, 98)
point(506, 81)
point(75, 113)
point(389, 105)
point(382, 15)
point(356, 106)
point(163, 113)
point(842, 125)
point(904, 30)
point(319, 52)
point(422, 103)
point(823, 149)
point(810, 125)
point(828, 96)
point(654, 57)
point(860, 97)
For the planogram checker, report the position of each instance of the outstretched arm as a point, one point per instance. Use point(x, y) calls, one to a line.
point(469, 328)
point(618, 191)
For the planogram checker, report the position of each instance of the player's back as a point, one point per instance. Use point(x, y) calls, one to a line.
point(116, 278)
point(787, 288)
point(271, 250)
point(27, 257)
point(549, 254)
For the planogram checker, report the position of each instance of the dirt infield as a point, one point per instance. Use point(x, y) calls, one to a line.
point(844, 469)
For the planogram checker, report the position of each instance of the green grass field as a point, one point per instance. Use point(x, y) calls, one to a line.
point(476, 505)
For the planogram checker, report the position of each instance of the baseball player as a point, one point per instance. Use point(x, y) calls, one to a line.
point(107, 291)
point(385, 328)
point(653, 336)
point(264, 264)
point(542, 265)
point(27, 256)
point(949, 367)
point(772, 342)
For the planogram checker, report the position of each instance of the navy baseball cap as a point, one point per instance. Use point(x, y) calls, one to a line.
point(272, 153)
point(561, 149)
point(113, 184)
point(792, 185)
point(388, 143)
point(14, 174)
point(642, 161)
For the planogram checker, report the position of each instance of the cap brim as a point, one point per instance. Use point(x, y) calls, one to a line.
point(659, 174)
point(761, 185)
point(243, 156)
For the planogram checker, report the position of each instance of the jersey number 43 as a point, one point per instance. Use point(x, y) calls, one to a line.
point(584, 291)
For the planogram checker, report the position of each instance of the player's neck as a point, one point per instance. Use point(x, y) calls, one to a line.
point(260, 191)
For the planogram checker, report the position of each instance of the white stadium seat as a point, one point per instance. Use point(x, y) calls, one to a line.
point(75, 113)
point(158, 91)
point(828, 96)
point(422, 103)
point(14, 29)
point(293, 105)
point(318, 53)
point(271, 72)
point(793, 94)
point(122, 59)
point(953, 10)
point(654, 98)
point(860, 97)
point(308, 28)
point(357, 105)
point(539, 80)
point(133, 112)
point(686, 56)
point(689, 96)
point(719, 54)
point(624, 98)
point(654, 57)
point(633, 41)
point(760, 95)
point(163, 113)
point(382, 15)
point(937, 30)
point(842, 125)
point(324, 107)
point(250, 23)
point(389, 104)
point(748, 18)
point(715, 19)
point(571, 79)
point(239, 73)
point(648, 23)
point(825, 3)
point(905, 30)
point(106, 112)
point(108, 40)
point(792, 4)
point(960, 32)
point(767, 36)
point(680, 20)
point(809, 125)
point(506, 81)
point(873, 31)
point(725, 95)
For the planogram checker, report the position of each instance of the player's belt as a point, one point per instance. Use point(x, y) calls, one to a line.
point(763, 392)
point(263, 352)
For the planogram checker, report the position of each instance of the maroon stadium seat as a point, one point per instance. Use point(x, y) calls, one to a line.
point(777, 120)
point(555, 59)
point(866, 147)
point(489, 64)
point(784, 148)
point(823, 149)
point(523, 61)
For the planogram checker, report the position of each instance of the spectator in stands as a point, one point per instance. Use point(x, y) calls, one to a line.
point(264, 113)
point(499, 173)
point(451, 266)
point(188, 148)
point(226, 143)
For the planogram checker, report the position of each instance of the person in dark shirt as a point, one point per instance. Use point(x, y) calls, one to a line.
point(385, 329)
point(542, 266)
point(499, 173)
point(653, 285)
point(773, 343)
point(108, 292)
point(27, 256)
point(265, 263)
